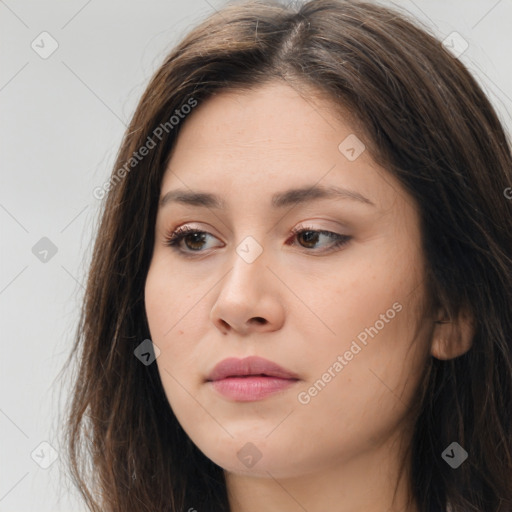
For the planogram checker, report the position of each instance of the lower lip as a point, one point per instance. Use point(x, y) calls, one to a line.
point(249, 389)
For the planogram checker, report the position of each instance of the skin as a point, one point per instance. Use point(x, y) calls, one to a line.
point(341, 450)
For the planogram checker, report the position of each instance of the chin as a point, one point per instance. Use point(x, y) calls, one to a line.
point(254, 456)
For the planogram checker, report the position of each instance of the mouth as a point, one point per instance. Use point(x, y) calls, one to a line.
point(249, 379)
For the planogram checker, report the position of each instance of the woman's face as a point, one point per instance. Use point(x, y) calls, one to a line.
point(339, 306)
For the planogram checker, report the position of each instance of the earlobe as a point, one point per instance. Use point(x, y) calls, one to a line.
point(452, 338)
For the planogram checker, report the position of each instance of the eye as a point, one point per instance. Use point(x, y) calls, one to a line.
point(310, 237)
point(194, 239)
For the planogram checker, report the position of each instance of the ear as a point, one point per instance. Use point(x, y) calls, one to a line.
point(452, 337)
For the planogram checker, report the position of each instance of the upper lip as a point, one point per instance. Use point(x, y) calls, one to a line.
point(253, 365)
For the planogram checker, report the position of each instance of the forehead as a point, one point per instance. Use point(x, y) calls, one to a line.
point(247, 145)
point(274, 116)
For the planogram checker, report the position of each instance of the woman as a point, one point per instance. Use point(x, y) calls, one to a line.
point(300, 291)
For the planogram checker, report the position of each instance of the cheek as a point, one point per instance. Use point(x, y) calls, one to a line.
point(376, 349)
point(171, 313)
point(371, 391)
point(156, 301)
point(163, 313)
point(165, 302)
point(167, 318)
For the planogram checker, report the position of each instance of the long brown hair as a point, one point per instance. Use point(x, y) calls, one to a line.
point(428, 122)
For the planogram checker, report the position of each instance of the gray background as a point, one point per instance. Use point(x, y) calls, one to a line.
point(62, 120)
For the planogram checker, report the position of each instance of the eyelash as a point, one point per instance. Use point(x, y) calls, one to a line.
point(174, 238)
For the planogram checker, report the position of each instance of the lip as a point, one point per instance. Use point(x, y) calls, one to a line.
point(249, 379)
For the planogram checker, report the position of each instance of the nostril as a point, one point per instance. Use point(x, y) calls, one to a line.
point(260, 320)
point(224, 326)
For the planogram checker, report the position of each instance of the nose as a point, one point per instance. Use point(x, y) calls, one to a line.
point(249, 299)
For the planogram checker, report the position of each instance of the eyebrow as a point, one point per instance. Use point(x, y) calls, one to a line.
point(279, 199)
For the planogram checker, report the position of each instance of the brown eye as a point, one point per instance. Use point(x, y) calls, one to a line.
point(194, 239)
point(309, 237)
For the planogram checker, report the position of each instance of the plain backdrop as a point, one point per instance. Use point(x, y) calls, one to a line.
point(62, 119)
